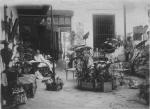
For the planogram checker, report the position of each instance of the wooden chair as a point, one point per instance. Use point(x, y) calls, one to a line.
point(67, 69)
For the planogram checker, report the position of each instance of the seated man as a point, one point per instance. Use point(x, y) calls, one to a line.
point(43, 62)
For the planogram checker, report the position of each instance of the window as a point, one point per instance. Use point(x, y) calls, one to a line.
point(56, 20)
point(61, 21)
point(67, 20)
point(103, 28)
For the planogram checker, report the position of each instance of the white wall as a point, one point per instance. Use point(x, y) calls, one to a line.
point(136, 13)
point(84, 11)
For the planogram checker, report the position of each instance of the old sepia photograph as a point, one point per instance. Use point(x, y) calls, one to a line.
point(74, 54)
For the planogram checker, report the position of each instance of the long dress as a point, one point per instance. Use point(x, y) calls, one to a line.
point(43, 61)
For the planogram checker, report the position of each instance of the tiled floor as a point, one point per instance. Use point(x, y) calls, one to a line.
point(72, 98)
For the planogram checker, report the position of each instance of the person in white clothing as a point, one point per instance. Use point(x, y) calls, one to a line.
point(43, 62)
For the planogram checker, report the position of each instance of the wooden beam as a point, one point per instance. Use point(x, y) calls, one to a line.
point(25, 15)
point(124, 13)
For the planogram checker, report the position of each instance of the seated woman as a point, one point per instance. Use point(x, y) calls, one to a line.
point(43, 62)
